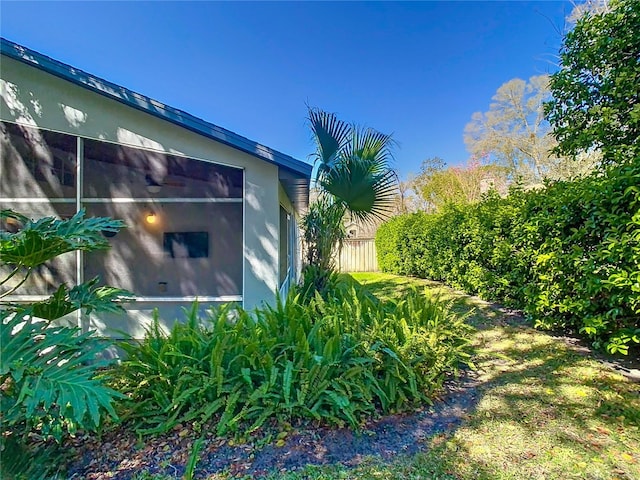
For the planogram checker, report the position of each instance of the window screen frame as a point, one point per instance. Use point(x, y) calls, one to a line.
point(81, 201)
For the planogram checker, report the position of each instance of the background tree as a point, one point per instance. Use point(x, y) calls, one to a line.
point(439, 185)
point(596, 93)
point(405, 200)
point(515, 134)
point(588, 7)
point(354, 178)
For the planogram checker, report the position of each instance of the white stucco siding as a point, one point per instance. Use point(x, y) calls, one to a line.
point(32, 97)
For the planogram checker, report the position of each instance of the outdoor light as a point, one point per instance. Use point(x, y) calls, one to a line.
point(151, 217)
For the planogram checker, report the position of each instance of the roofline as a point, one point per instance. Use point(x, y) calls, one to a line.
point(152, 107)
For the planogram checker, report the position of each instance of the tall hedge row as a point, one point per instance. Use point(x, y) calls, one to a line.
point(568, 255)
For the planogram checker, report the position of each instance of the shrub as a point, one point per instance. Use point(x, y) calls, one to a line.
point(568, 255)
point(389, 241)
point(585, 269)
point(336, 360)
point(466, 246)
point(48, 373)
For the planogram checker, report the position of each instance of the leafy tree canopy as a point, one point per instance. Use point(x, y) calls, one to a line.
point(437, 184)
point(596, 93)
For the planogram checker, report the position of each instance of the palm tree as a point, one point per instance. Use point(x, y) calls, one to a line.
point(354, 178)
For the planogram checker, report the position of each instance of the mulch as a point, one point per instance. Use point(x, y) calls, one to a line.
point(118, 455)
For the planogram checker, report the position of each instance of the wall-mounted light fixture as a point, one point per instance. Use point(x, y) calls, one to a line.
point(151, 217)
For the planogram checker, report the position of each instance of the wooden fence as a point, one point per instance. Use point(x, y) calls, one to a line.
point(358, 255)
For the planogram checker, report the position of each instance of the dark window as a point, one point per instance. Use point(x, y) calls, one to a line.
point(285, 260)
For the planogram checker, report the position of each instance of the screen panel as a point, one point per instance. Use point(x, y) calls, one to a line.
point(36, 163)
point(192, 248)
point(138, 173)
point(156, 273)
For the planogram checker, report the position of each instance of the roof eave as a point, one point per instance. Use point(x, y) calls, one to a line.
point(292, 166)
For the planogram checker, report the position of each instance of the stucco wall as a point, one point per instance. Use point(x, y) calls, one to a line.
point(35, 98)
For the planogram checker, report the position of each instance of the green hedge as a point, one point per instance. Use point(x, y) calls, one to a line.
point(568, 255)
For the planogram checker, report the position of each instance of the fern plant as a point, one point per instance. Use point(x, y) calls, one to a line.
point(48, 372)
point(337, 358)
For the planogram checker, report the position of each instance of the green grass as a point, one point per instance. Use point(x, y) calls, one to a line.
point(546, 411)
point(386, 286)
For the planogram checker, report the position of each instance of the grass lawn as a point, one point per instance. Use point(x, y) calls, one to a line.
point(546, 410)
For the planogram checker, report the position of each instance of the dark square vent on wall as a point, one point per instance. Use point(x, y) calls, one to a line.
point(186, 244)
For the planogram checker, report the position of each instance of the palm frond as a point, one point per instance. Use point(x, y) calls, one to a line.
point(362, 186)
point(331, 136)
point(369, 144)
point(354, 166)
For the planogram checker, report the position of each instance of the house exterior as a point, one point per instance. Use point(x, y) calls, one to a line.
point(210, 215)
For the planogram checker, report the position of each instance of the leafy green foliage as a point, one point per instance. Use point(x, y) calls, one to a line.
point(318, 281)
point(39, 241)
point(596, 93)
point(337, 360)
point(569, 255)
point(48, 377)
point(323, 232)
point(49, 384)
point(87, 296)
point(20, 463)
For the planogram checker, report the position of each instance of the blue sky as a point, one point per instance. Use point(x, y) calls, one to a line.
point(417, 69)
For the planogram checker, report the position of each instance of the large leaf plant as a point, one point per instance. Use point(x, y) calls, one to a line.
point(48, 371)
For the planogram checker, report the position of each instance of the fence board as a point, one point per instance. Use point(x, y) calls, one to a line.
point(358, 255)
